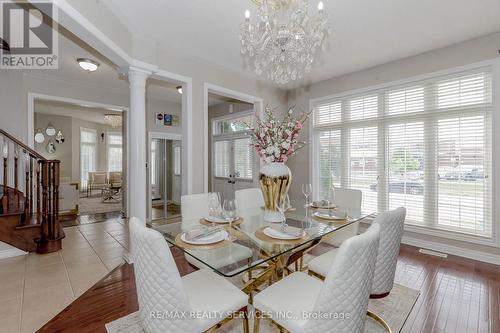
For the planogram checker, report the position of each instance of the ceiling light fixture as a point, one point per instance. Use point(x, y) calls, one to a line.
point(179, 89)
point(283, 40)
point(88, 64)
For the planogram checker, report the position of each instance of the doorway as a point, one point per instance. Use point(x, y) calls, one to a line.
point(87, 138)
point(165, 176)
point(233, 165)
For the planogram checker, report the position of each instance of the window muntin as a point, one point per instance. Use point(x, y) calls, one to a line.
point(422, 129)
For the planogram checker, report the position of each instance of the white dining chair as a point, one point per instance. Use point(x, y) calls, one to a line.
point(248, 198)
point(165, 297)
point(343, 294)
point(194, 207)
point(391, 230)
point(350, 200)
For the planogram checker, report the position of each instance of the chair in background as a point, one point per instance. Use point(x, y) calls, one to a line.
point(97, 180)
point(161, 289)
point(194, 207)
point(346, 289)
point(347, 199)
point(115, 178)
point(248, 198)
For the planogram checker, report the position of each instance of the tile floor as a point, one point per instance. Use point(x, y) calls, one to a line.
point(34, 288)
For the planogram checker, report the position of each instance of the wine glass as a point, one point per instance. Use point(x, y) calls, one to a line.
point(213, 204)
point(282, 206)
point(229, 212)
point(331, 199)
point(307, 191)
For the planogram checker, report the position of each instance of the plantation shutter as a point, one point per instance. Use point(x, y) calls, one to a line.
point(243, 158)
point(425, 145)
point(221, 158)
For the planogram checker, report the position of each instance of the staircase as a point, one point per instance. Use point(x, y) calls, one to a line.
point(29, 192)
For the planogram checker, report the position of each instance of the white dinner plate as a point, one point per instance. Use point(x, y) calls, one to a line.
point(278, 234)
point(216, 237)
point(318, 206)
point(326, 216)
point(214, 219)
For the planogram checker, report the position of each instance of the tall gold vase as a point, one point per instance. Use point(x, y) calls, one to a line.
point(274, 180)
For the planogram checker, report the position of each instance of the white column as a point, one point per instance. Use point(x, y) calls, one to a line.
point(137, 136)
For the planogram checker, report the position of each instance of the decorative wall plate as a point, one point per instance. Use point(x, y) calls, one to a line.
point(50, 130)
point(51, 147)
point(59, 137)
point(39, 137)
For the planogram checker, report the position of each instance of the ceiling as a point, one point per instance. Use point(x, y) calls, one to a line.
point(365, 33)
point(107, 75)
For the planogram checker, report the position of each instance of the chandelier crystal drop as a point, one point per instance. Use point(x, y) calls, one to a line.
point(283, 41)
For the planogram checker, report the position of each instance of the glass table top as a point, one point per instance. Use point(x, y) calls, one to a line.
point(248, 245)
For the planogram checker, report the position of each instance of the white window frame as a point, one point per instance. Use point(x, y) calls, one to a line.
point(108, 145)
point(80, 151)
point(495, 149)
point(231, 137)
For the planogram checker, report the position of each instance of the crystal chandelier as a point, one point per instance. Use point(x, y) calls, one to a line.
point(113, 120)
point(284, 40)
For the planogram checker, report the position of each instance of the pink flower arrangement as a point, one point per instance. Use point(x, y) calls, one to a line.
point(276, 141)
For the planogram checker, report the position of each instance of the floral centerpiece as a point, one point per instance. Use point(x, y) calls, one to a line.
point(275, 141)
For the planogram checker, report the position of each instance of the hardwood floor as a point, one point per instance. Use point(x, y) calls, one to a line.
point(457, 295)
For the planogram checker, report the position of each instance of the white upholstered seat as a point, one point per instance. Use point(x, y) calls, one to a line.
point(248, 198)
point(164, 297)
point(350, 200)
point(344, 292)
point(391, 230)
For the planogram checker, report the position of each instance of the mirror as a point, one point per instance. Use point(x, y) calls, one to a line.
point(50, 130)
point(39, 137)
point(51, 147)
point(59, 137)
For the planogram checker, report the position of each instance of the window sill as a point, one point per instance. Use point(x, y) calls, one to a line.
point(449, 234)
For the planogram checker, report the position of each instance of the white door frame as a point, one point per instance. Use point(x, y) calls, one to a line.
point(117, 108)
point(215, 89)
point(163, 136)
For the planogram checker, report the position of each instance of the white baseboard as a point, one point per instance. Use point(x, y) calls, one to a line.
point(452, 250)
point(446, 248)
point(9, 251)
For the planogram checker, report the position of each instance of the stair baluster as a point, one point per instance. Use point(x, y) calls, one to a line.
point(20, 225)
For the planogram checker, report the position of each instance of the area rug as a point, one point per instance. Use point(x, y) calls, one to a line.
point(94, 205)
point(394, 309)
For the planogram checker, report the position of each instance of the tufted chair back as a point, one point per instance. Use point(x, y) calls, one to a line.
point(193, 207)
point(349, 199)
point(159, 285)
point(391, 230)
point(248, 198)
point(346, 288)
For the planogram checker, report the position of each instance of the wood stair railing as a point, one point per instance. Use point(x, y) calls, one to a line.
point(29, 208)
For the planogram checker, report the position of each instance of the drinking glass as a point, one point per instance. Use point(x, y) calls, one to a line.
point(213, 204)
point(307, 191)
point(230, 213)
point(282, 206)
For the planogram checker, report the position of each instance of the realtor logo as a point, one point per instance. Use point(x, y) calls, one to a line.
point(29, 35)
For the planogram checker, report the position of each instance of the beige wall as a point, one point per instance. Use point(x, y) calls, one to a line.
point(63, 150)
point(157, 106)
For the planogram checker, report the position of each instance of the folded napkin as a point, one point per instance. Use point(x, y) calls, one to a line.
point(288, 231)
point(202, 234)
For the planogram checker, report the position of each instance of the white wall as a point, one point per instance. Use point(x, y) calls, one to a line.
point(157, 106)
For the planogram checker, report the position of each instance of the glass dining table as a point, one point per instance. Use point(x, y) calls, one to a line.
point(249, 248)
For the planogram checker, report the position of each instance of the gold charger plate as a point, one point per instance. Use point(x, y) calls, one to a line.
point(179, 242)
point(259, 233)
